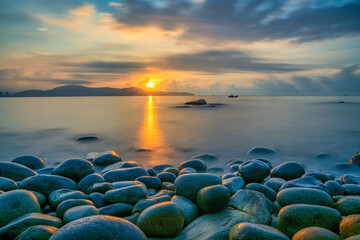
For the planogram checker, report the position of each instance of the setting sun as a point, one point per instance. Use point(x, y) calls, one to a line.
point(150, 84)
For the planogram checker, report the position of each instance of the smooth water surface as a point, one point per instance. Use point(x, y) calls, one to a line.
point(297, 127)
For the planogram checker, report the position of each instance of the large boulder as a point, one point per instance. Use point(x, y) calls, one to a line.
point(16, 203)
point(30, 161)
point(161, 220)
point(288, 170)
point(188, 185)
point(46, 184)
point(106, 158)
point(15, 171)
point(99, 227)
point(125, 174)
point(214, 226)
point(310, 196)
point(254, 171)
point(293, 218)
point(250, 231)
point(213, 199)
point(75, 169)
point(254, 204)
point(19, 225)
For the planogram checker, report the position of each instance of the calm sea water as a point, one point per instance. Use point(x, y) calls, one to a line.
point(297, 127)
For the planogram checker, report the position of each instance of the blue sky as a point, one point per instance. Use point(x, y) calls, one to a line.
point(280, 47)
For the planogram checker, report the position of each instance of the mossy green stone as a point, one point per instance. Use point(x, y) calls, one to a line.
point(315, 233)
point(250, 231)
point(310, 196)
point(16, 203)
point(295, 217)
point(40, 232)
point(350, 226)
point(213, 199)
point(161, 220)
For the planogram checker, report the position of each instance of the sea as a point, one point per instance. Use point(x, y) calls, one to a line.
point(155, 130)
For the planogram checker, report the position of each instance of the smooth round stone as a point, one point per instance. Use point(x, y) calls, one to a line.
point(58, 196)
point(150, 182)
point(101, 187)
point(123, 184)
point(334, 188)
point(143, 204)
point(166, 177)
point(161, 220)
point(268, 192)
point(151, 172)
point(320, 176)
point(305, 182)
point(265, 160)
point(254, 171)
point(87, 139)
point(125, 174)
point(99, 227)
point(119, 165)
point(293, 218)
point(88, 181)
point(173, 170)
point(48, 209)
point(305, 196)
point(288, 170)
point(351, 189)
point(19, 225)
point(228, 175)
point(30, 161)
point(16, 203)
point(47, 170)
point(188, 208)
point(167, 186)
point(46, 184)
point(117, 210)
point(39, 232)
point(213, 199)
point(275, 183)
point(161, 167)
point(131, 195)
point(234, 168)
point(355, 159)
point(98, 199)
point(67, 204)
point(78, 212)
point(350, 226)
point(322, 156)
point(7, 184)
point(233, 161)
point(106, 158)
point(261, 151)
point(205, 157)
point(250, 231)
point(188, 185)
point(187, 170)
point(315, 233)
point(40, 197)
point(15, 171)
point(197, 164)
point(75, 169)
point(348, 205)
point(234, 184)
point(350, 179)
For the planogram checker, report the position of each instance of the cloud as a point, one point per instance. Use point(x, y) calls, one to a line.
point(122, 67)
point(252, 20)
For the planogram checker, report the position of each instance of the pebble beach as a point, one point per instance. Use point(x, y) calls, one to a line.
point(105, 197)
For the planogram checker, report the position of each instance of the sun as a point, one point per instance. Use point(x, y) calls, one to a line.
point(150, 84)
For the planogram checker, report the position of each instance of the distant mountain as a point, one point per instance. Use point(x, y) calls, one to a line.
point(77, 90)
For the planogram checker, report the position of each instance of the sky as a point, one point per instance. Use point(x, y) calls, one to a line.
point(246, 47)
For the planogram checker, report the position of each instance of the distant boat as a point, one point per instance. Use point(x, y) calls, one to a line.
point(232, 96)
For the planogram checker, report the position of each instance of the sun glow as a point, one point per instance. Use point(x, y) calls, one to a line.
point(150, 84)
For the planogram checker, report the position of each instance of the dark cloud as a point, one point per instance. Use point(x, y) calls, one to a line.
point(252, 20)
point(225, 61)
